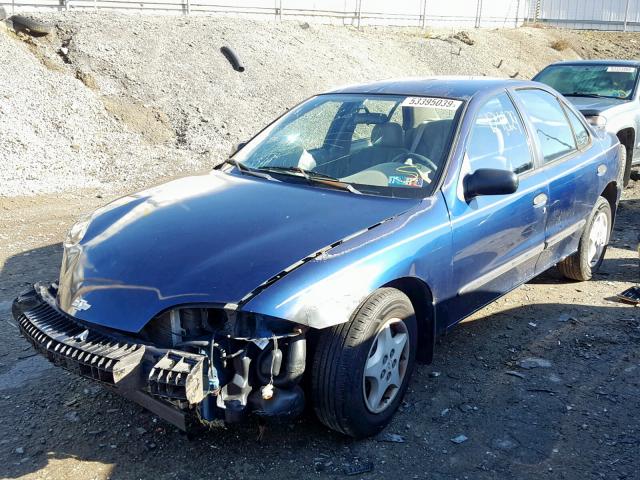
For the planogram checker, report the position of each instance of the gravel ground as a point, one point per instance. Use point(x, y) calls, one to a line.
point(575, 417)
point(116, 102)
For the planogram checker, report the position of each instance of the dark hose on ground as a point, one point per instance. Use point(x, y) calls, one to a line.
point(233, 58)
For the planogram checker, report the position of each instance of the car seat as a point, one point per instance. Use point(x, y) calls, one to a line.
point(387, 142)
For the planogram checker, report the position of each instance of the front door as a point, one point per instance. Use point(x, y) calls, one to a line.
point(497, 239)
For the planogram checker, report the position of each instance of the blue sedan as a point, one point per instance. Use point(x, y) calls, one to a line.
point(329, 251)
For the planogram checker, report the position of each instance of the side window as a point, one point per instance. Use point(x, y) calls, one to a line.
point(582, 135)
point(550, 123)
point(498, 138)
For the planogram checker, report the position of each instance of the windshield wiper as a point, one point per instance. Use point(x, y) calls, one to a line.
point(250, 171)
point(585, 94)
point(312, 176)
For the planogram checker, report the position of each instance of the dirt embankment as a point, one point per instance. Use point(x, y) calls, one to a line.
point(116, 102)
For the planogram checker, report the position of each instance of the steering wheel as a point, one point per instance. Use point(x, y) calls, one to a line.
point(419, 158)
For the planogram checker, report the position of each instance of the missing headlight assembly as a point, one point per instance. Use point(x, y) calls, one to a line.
point(207, 364)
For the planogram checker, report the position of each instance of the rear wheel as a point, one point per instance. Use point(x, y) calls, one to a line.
point(593, 244)
point(361, 368)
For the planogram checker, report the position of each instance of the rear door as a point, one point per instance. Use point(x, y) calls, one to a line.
point(497, 239)
point(563, 142)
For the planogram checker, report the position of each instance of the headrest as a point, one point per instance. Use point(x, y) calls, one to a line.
point(387, 135)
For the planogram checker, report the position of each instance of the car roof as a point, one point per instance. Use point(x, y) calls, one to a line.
point(442, 86)
point(629, 63)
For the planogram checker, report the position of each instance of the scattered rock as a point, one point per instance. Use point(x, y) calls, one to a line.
point(390, 437)
point(504, 443)
point(322, 463)
point(357, 468)
point(554, 378)
point(20, 450)
point(87, 78)
point(534, 362)
point(463, 37)
point(434, 374)
point(459, 439)
point(305, 25)
point(513, 373)
point(466, 408)
point(565, 317)
point(72, 417)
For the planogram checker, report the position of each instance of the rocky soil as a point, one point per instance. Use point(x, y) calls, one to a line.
point(115, 102)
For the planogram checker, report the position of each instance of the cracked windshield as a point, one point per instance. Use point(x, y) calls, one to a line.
point(389, 145)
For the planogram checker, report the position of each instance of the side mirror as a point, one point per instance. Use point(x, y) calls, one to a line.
point(238, 147)
point(490, 181)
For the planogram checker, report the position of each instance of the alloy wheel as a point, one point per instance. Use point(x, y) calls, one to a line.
point(386, 365)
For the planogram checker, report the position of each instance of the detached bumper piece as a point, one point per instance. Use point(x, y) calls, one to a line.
point(75, 348)
point(178, 376)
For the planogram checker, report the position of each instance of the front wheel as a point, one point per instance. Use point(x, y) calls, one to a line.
point(361, 368)
point(593, 244)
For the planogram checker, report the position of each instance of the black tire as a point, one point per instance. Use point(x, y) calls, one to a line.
point(578, 266)
point(337, 382)
point(31, 25)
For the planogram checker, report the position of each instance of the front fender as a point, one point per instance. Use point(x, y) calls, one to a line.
point(326, 290)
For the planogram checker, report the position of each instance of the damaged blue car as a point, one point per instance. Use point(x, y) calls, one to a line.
point(321, 261)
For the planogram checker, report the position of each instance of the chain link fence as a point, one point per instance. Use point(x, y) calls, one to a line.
point(621, 15)
point(420, 13)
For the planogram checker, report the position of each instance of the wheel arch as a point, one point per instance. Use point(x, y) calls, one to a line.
point(421, 298)
point(610, 193)
point(627, 137)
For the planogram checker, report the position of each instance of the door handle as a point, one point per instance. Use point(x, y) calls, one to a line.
point(540, 200)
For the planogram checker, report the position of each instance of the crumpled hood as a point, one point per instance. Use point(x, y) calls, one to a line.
point(205, 239)
point(594, 106)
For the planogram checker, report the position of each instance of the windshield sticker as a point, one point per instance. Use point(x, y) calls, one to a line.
point(414, 181)
point(621, 69)
point(432, 102)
